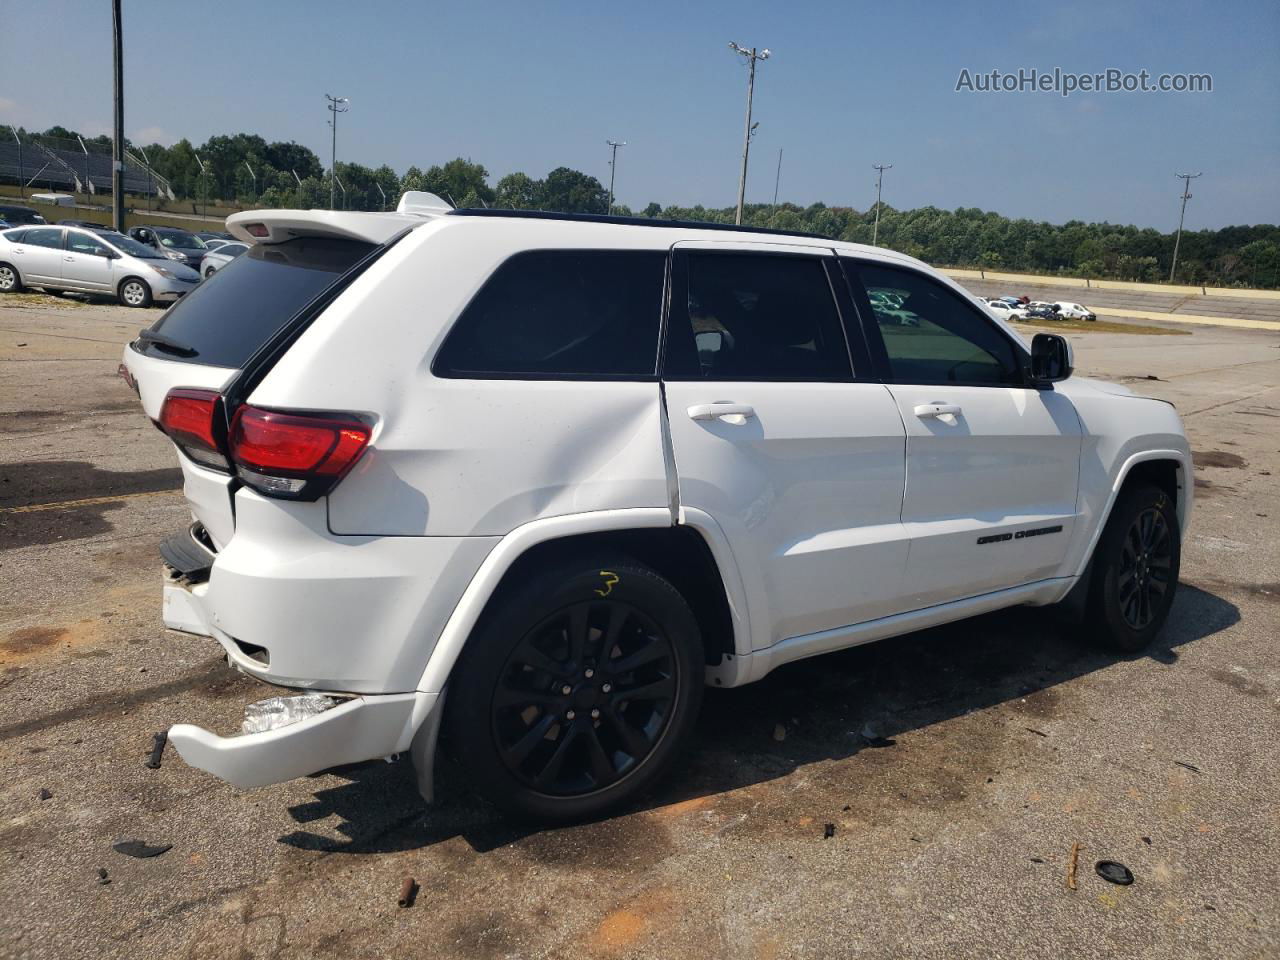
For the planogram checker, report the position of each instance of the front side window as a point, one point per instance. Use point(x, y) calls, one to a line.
point(176, 238)
point(934, 336)
point(81, 243)
point(754, 316)
point(550, 314)
point(133, 248)
point(44, 237)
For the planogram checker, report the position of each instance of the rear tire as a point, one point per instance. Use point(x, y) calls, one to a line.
point(135, 293)
point(576, 691)
point(10, 281)
point(1135, 570)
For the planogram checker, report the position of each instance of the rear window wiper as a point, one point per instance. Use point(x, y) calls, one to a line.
point(166, 343)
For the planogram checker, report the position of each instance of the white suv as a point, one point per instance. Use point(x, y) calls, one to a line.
point(532, 480)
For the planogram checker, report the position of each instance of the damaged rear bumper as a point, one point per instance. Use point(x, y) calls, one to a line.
point(362, 728)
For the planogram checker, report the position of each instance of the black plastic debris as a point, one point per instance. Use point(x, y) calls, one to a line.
point(1147, 841)
point(1037, 859)
point(1113, 872)
point(45, 793)
point(158, 740)
point(103, 876)
point(1190, 766)
point(828, 831)
point(140, 848)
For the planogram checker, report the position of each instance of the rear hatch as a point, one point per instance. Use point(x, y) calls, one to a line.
point(223, 332)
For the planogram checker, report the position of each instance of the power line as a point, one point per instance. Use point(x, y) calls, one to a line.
point(752, 56)
point(1186, 179)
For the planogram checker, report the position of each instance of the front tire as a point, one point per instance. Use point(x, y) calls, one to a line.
point(10, 281)
point(135, 293)
point(1135, 571)
point(577, 690)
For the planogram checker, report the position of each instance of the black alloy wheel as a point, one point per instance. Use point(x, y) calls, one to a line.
point(1146, 558)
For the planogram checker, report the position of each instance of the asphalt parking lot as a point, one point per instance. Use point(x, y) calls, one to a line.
point(957, 766)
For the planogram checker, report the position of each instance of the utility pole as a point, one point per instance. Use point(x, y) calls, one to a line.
point(117, 147)
point(255, 180)
point(777, 179)
point(22, 182)
point(752, 56)
point(613, 167)
point(1186, 179)
point(879, 168)
point(336, 106)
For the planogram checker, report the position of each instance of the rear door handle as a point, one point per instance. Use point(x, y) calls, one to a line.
point(931, 411)
point(715, 411)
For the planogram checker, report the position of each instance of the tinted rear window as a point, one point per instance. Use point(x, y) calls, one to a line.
point(569, 314)
point(231, 315)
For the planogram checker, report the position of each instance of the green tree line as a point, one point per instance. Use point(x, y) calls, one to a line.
point(291, 175)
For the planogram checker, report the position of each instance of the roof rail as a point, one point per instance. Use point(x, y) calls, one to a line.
point(625, 221)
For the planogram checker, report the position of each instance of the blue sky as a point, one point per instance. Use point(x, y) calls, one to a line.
point(531, 86)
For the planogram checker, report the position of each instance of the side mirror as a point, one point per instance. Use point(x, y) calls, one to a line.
point(1052, 358)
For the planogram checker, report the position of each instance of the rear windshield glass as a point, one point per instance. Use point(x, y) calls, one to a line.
point(232, 314)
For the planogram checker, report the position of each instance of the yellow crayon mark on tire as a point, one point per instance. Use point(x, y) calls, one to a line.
point(610, 578)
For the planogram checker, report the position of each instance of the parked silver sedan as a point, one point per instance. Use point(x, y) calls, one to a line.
point(219, 257)
point(76, 260)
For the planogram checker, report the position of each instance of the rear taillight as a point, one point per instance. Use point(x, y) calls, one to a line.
point(189, 417)
point(295, 455)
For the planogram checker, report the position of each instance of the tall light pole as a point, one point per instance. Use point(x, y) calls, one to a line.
point(117, 146)
point(299, 179)
point(88, 184)
point(22, 181)
point(1186, 179)
point(384, 194)
point(255, 180)
point(778, 178)
point(879, 168)
point(343, 189)
point(147, 161)
point(204, 182)
point(336, 106)
point(613, 166)
point(752, 56)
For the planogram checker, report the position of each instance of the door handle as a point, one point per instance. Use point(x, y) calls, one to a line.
point(931, 411)
point(720, 409)
point(69, 259)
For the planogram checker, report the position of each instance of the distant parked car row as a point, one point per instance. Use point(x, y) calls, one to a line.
point(1022, 308)
point(149, 264)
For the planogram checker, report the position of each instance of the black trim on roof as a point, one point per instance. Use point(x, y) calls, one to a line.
point(625, 221)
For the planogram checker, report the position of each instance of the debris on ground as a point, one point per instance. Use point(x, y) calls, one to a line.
point(1038, 733)
point(874, 737)
point(1114, 872)
point(779, 732)
point(158, 741)
point(1072, 863)
point(408, 892)
point(103, 877)
point(1190, 766)
point(45, 793)
point(1147, 841)
point(1037, 859)
point(140, 848)
point(828, 831)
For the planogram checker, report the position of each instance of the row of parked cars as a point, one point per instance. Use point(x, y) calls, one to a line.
point(147, 264)
point(1023, 308)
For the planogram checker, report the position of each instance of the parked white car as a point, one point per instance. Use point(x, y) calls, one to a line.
point(221, 255)
point(77, 260)
point(535, 479)
point(1006, 311)
point(1074, 311)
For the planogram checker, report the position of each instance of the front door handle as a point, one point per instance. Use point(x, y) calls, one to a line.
point(931, 411)
point(69, 259)
point(719, 410)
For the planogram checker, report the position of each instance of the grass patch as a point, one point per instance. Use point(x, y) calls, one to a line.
point(28, 299)
point(1103, 326)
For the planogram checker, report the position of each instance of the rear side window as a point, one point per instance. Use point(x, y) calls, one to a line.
point(754, 316)
point(44, 237)
point(231, 315)
point(561, 314)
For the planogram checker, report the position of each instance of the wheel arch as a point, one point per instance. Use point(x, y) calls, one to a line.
point(1168, 469)
point(679, 552)
point(132, 276)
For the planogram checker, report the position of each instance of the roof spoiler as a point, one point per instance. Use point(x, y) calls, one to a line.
point(277, 226)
